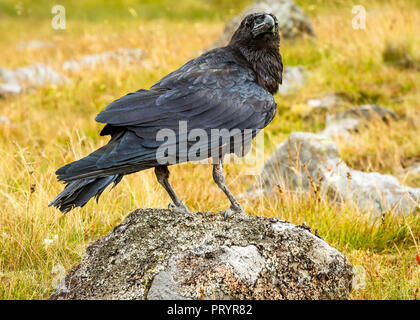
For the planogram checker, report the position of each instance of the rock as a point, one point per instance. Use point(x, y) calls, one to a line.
point(8, 83)
point(326, 102)
point(121, 57)
point(7, 89)
point(35, 44)
point(32, 76)
point(160, 254)
point(293, 79)
point(307, 154)
point(7, 76)
point(415, 169)
point(38, 75)
point(292, 21)
point(342, 123)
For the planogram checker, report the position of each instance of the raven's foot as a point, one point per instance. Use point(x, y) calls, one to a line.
point(232, 210)
point(180, 207)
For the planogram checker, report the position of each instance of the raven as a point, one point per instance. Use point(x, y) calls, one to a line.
point(225, 88)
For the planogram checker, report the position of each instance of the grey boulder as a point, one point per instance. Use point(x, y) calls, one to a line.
point(160, 254)
point(307, 161)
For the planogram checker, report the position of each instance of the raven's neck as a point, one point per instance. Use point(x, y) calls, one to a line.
point(267, 65)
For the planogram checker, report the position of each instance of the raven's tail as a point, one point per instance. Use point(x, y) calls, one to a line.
point(88, 177)
point(78, 192)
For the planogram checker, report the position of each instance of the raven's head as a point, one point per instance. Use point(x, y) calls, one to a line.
point(259, 30)
point(258, 39)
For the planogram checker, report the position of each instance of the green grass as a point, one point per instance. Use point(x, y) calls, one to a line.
point(54, 125)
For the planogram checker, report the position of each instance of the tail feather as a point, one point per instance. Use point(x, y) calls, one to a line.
point(78, 192)
point(90, 176)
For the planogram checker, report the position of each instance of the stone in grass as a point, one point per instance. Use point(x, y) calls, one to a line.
point(307, 158)
point(9, 89)
point(6, 76)
point(160, 254)
point(32, 76)
point(341, 124)
point(121, 57)
point(8, 83)
point(326, 102)
point(413, 170)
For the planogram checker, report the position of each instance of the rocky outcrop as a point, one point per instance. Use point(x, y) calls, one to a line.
point(292, 21)
point(160, 254)
point(307, 161)
point(341, 124)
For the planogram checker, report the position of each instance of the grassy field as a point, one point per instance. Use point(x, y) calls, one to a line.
point(54, 125)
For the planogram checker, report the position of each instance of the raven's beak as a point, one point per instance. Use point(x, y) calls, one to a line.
point(266, 25)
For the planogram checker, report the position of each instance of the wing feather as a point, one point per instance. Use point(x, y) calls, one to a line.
point(208, 93)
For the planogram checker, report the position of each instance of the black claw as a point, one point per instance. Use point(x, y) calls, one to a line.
point(226, 214)
point(180, 207)
point(232, 210)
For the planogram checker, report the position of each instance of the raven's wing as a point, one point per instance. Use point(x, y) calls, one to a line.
point(208, 93)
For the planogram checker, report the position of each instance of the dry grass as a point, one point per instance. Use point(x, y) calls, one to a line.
point(54, 125)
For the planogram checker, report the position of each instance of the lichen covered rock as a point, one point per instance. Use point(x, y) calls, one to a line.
point(160, 254)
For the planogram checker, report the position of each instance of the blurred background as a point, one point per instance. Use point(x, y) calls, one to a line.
point(62, 63)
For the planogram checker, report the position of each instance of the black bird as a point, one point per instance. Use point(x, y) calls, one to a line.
point(225, 88)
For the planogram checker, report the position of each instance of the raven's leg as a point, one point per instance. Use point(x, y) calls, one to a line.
point(162, 175)
point(219, 178)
